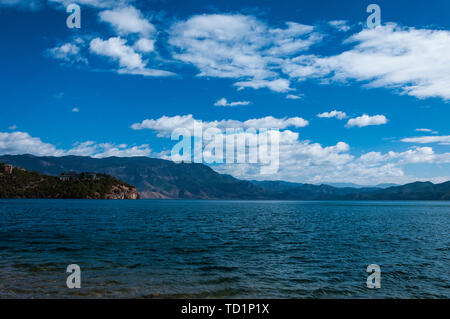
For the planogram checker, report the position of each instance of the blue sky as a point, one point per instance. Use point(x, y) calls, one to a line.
point(290, 63)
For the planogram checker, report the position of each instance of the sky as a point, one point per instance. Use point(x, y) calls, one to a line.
point(353, 104)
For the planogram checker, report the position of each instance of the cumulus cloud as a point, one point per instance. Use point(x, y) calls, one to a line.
point(224, 102)
point(278, 85)
point(22, 143)
point(145, 45)
point(126, 20)
point(164, 126)
point(117, 49)
point(340, 25)
point(129, 23)
point(67, 52)
point(300, 160)
point(102, 150)
point(75, 110)
point(313, 163)
point(17, 143)
point(366, 120)
point(415, 155)
point(337, 114)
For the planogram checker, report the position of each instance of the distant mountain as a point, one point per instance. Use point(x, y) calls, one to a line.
point(156, 178)
point(342, 185)
point(351, 185)
point(278, 186)
point(387, 185)
point(20, 183)
point(153, 178)
point(413, 191)
point(294, 191)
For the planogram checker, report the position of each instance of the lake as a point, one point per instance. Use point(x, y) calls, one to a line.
point(224, 249)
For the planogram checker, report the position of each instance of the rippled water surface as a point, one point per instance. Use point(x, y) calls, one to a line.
point(219, 249)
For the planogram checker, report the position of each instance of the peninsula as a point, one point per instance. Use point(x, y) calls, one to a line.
point(16, 182)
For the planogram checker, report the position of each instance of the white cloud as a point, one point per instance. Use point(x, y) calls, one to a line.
point(129, 60)
point(239, 47)
point(366, 120)
point(146, 72)
point(313, 163)
point(426, 130)
point(93, 3)
point(164, 126)
point(294, 38)
point(300, 160)
point(224, 102)
point(67, 52)
point(145, 45)
point(76, 110)
point(62, 4)
point(418, 155)
point(340, 25)
point(103, 150)
point(337, 114)
point(278, 85)
point(117, 49)
point(22, 143)
point(22, 4)
point(222, 45)
point(293, 97)
point(126, 20)
point(414, 61)
point(428, 139)
point(256, 55)
point(109, 150)
point(271, 122)
point(415, 155)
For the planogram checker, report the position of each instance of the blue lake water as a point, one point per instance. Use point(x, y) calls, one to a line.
point(224, 249)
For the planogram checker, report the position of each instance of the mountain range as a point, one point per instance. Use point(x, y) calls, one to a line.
point(162, 179)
